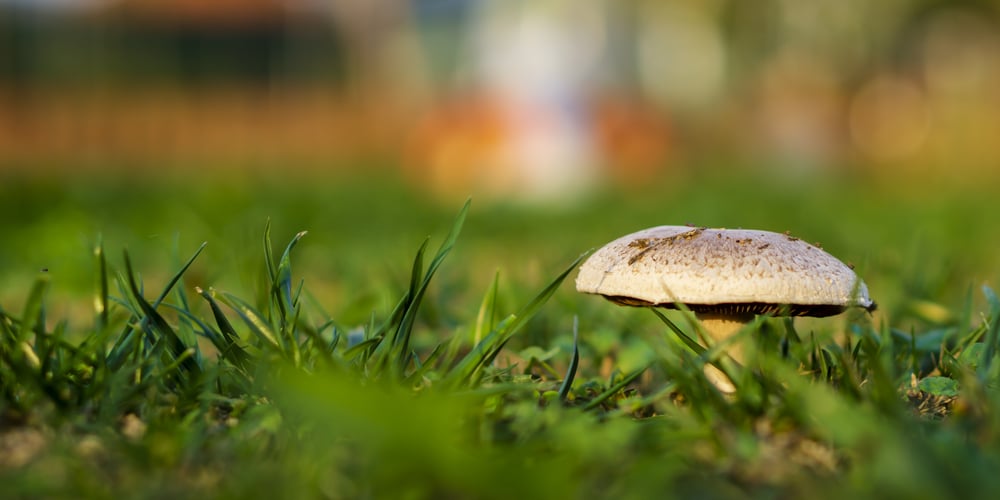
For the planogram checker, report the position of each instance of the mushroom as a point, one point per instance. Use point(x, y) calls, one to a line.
point(724, 276)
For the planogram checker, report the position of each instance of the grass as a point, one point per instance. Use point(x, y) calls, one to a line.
point(278, 363)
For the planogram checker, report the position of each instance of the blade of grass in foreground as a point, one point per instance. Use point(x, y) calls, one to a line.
point(486, 319)
point(281, 305)
point(225, 339)
point(396, 352)
point(253, 319)
point(683, 337)
point(15, 347)
point(573, 363)
point(395, 347)
point(101, 295)
point(406, 325)
point(611, 391)
point(32, 318)
point(177, 276)
point(992, 335)
point(225, 327)
point(470, 367)
point(284, 281)
point(272, 270)
point(121, 349)
point(153, 322)
point(281, 275)
point(430, 437)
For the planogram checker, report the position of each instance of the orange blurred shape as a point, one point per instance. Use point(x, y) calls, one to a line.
point(889, 118)
point(474, 141)
point(634, 139)
point(454, 142)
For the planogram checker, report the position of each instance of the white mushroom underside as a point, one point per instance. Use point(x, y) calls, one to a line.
point(669, 264)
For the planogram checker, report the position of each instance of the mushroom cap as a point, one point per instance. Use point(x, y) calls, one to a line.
point(724, 271)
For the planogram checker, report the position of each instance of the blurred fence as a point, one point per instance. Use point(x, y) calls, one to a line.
point(538, 96)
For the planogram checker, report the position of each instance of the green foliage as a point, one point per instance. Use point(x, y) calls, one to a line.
point(939, 386)
point(222, 396)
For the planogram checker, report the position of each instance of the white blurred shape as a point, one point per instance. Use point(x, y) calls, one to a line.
point(538, 60)
point(543, 49)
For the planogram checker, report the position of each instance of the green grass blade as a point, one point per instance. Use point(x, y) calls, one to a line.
point(356, 349)
point(226, 329)
point(396, 353)
point(32, 318)
point(153, 323)
point(449, 241)
point(691, 343)
point(177, 275)
point(8, 331)
point(531, 309)
point(401, 335)
point(226, 340)
point(790, 333)
point(120, 349)
point(486, 319)
point(281, 284)
point(289, 334)
point(253, 319)
point(405, 331)
point(425, 366)
point(992, 334)
point(17, 349)
point(180, 291)
point(482, 353)
point(574, 362)
point(315, 345)
point(378, 350)
point(614, 389)
point(272, 270)
point(101, 292)
point(485, 351)
point(127, 345)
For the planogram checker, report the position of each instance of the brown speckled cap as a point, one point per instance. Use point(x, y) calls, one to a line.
point(726, 271)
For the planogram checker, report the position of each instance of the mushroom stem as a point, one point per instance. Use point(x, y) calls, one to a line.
point(720, 327)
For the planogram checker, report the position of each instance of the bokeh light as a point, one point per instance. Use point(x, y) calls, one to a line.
point(542, 100)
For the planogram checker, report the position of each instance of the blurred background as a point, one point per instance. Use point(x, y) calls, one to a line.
point(534, 99)
point(873, 127)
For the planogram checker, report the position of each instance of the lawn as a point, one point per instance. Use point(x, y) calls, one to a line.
point(349, 337)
